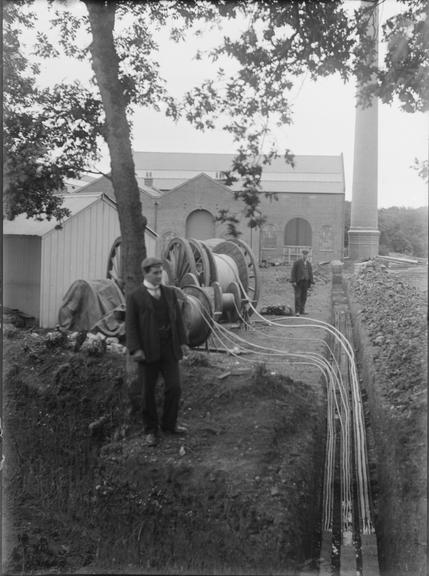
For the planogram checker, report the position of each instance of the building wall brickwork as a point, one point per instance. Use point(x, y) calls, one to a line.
point(314, 194)
point(324, 213)
point(199, 193)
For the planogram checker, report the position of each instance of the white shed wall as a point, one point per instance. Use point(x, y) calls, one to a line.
point(21, 273)
point(79, 251)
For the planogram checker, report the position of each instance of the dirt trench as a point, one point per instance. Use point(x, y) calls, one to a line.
point(241, 494)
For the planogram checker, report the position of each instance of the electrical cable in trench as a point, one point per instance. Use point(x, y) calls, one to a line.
point(334, 381)
point(361, 457)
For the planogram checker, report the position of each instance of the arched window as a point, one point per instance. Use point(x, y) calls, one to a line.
point(297, 236)
point(200, 224)
point(298, 233)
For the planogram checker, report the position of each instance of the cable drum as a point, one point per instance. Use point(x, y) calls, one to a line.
point(197, 307)
point(227, 270)
point(231, 250)
point(215, 296)
point(224, 270)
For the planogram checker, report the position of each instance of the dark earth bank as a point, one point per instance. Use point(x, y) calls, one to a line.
point(241, 494)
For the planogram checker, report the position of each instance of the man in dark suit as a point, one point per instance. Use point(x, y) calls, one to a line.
point(301, 278)
point(156, 339)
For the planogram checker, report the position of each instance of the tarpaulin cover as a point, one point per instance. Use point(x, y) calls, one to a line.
point(93, 304)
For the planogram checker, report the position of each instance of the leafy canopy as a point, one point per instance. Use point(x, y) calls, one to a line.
point(281, 42)
point(52, 134)
point(49, 134)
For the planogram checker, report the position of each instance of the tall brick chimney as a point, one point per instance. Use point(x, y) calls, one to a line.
point(364, 233)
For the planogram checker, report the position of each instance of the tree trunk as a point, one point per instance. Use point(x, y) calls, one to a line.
point(105, 63)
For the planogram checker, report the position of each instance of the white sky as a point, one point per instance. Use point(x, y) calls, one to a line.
point(323, 122)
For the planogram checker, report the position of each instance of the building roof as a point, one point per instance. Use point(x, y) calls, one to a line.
point(23, 226)
point(207, 162)
point(167, 185)
point(198, 177)
point(104, 184)
point(309, 175)
point(73, 185)
point(148, 189)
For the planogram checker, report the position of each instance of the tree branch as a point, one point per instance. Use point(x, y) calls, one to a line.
point(108, 176)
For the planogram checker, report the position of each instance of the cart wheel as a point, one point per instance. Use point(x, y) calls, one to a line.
point(253, 282)
point(180, 258)
point(201, 261)
point(114, 263)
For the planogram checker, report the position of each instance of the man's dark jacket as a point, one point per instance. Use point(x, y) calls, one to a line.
point(298, 272)
point(142, 326)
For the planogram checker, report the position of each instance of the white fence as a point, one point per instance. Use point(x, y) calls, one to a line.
point(292, 253)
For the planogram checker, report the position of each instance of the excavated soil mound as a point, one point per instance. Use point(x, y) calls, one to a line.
point(390, 318)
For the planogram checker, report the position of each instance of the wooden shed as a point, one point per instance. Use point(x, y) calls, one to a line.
point(42, 261)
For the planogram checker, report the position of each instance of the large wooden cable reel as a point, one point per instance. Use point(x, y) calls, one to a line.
point(247, 267)
point(179, 260)
point(219, 277)
point(198, 315)
point(229, 263)
point(253, 277)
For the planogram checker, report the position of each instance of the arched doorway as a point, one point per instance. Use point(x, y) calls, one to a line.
point(298, 235)
point(200, 224)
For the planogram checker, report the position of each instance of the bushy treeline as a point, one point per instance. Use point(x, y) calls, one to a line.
point(403, 230)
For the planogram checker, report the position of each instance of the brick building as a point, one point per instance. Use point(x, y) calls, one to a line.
point(182, 194)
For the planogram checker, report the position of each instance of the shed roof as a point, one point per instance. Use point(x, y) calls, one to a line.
point(23, 226)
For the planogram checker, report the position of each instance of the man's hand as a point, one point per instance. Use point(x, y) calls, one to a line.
point(294, 284)
point(185, 350)
point(138, 356)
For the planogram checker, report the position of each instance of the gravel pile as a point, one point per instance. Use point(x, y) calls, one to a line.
point(395, 315)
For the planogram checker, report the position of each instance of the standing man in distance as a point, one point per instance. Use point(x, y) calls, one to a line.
point(301, 278)
point(156, 339)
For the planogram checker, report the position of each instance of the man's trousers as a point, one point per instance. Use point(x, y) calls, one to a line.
point(300, 296)
point(168, 367)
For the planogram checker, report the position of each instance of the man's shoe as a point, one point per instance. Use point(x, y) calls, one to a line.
point(176, 431)
point(297, 314)
point(151, 439)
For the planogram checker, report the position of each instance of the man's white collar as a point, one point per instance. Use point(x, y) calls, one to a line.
point(150, 286)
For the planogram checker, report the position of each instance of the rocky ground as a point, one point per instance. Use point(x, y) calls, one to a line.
point(242, 492)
